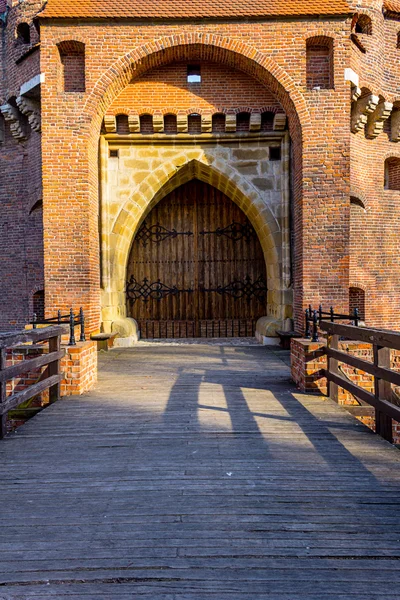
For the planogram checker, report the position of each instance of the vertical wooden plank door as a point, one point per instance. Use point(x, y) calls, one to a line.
point(196, 268)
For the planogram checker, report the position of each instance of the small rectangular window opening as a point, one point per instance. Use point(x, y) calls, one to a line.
point(193, 74)
point(114, 153)
point(275, 153)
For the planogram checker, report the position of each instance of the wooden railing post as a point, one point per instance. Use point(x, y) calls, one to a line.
point(54, 369)
point(333, 388)
point(3, 394)
point(383, 391)
point(52, 376)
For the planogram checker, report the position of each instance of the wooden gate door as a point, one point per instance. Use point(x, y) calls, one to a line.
point(196, 268)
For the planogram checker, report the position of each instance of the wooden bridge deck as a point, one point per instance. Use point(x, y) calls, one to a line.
point(198, 473)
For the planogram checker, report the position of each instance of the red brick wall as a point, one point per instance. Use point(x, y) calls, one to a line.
point(21, 233)
point(70, 160)
point(222, 89)
point(319, 63)
point(392, 175)
point(262, 64)
point(357, 300)
point(72, 72)
point(80, 368)
point(374, 248)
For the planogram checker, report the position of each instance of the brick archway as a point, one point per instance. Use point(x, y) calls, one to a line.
point(83, 142)
point(160, 183)
point(184, 46)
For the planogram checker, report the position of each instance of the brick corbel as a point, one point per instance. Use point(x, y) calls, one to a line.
point(377, 119)
point(110, 124)
point(360, 111)
point(13, 116)
point(134, 123)
point(395, 133)
point(230, 122)
point(255, 121)
point(279, 122)
point(355, 93)
point(31, 109)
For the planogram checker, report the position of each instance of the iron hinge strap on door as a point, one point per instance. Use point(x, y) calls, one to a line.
point(157, 234)
point(242, 289)
point(146, 291)
point(235, 231)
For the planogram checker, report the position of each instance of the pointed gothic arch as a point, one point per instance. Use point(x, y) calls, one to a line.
point(159, 184)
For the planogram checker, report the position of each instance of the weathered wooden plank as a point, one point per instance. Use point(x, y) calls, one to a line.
point(391, 410)
point(333, 344)
point(384, 338)
point(3, 395)
point(33, 390)
point(365, 365)
point(8, 340)
point(30, 365)
point(383, 391)
point(211, 479)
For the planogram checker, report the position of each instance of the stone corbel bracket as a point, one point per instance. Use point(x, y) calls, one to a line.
point(355, 93)
point(377, 119)
point(279, 122)
point(360, 111)
point(13, 117)
point(134, 123)
point(230, 123)
point(158, 123)
point(255, 121)
point(395, 134)
point(110, 124)
point(182, 122)
point(206, 122)
point(31, 109)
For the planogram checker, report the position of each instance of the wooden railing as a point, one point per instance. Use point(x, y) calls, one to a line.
point(382, 343)
point(50, 379)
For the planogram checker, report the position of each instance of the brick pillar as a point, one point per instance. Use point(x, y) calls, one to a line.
point(308, 359)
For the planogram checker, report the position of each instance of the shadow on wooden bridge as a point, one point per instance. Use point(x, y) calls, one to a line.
point(194, 473)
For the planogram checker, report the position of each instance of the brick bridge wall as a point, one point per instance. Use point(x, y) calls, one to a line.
point(308, 361)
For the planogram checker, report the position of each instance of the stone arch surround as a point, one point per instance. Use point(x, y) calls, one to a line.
point(213, 166)
point(237, 55)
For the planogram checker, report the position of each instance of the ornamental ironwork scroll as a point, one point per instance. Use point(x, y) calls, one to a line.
point(146, 291)
point(247, 289)
point(157, 233)
point(235, 231)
